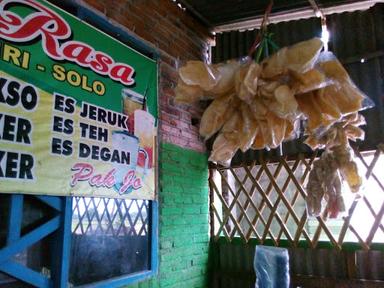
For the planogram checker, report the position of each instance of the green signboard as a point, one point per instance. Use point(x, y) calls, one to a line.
point(77, 108)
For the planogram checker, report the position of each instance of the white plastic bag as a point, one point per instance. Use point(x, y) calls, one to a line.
point(271, 265)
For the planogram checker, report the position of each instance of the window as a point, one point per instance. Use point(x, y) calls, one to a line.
point(110, 238)
point(112, 242)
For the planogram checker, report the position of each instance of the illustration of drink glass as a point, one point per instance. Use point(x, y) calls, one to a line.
point(123, 141)
point(132, 101)
point(144, 128)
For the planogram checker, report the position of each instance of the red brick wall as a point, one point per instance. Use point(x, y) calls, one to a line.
point(178, 37)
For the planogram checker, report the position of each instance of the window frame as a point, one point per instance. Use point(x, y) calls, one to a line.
point(98, 20)
point(59, 227)
point(139, 276)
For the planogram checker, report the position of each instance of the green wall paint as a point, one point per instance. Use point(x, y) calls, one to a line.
point(184, 224)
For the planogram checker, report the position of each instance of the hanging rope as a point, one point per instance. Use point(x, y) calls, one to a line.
point(262, 31)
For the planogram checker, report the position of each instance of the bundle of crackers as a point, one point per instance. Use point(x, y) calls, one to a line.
point(258, 105)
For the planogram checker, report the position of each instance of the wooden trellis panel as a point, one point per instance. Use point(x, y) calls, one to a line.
point(266, 201)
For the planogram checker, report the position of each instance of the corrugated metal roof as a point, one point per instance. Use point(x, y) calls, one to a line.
point(235, 44)
point(354, 36)
point(215, 13)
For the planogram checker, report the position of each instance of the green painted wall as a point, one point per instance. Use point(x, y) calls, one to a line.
point(184, 224)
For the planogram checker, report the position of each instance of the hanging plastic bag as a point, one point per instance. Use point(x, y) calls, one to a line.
point(249, 129)
point(201, 81)
point(198, 73)
point(285, 105)
point(271, 265)
point(226, 83)
point(187, 94)
point(228, 141)
point(348, 167)
point(348, 96)
point(247, 80)
point(299, 57)
point(309, 81)
point(325, 186)
point(347, 128)
point(316, 120)
point(217, 114)
point(258, 105)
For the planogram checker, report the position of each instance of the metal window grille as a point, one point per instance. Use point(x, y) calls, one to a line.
point(105, 229)
point(116, 217)
point(266, 201)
